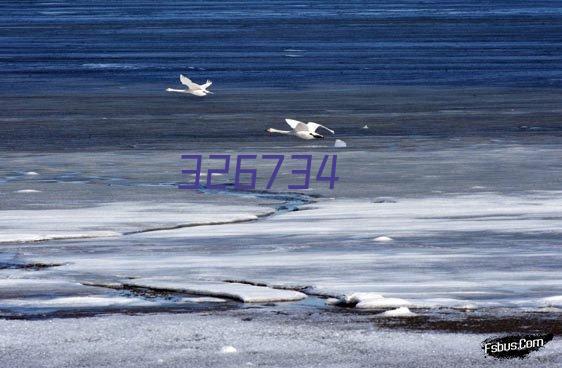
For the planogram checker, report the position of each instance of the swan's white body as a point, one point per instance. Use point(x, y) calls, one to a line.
point(192, 88)
point(301, 130)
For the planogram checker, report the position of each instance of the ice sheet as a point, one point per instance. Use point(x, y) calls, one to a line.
point(535, 212)
point(114, 219)
point(454, 250)
point(74, 302)
point(484, 251)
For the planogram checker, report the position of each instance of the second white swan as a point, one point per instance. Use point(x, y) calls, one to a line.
point(301, 130)
point(192, 88)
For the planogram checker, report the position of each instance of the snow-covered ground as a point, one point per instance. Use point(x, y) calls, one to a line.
point(243, 339)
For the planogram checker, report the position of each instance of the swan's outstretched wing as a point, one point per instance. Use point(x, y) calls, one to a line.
point(297, 126)
point(206, 85)
point(313, 126)
point(187, 82)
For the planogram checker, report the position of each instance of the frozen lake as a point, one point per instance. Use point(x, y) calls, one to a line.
point(446, 217)
point(464, 224)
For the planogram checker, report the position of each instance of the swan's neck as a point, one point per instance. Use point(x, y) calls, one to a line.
point(271, 130)
point(176, 90)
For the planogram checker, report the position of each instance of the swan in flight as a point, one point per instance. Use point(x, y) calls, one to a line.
point(192, 88)
point(301, 130)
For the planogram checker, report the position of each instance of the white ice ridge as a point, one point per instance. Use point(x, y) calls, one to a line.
point(242, 292)
point(553, 301)
point(114, 219)
point(373, 301)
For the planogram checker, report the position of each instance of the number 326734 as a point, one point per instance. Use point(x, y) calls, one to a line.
point(246, 172)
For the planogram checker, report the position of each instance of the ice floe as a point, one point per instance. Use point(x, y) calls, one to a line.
point(21, 283)
point(203, 299)
point(368, 300)
point(241, 292)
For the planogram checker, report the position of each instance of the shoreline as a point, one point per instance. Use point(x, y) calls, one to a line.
point(257, 337)
point(449, 320)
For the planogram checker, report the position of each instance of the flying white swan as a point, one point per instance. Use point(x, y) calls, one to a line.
point(192, 88)
point(301, 130)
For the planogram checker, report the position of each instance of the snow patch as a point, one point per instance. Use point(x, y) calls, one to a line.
point(228, 350)
point(399, 312)
point(340, 144)
point(478, 187)
point(383, 239)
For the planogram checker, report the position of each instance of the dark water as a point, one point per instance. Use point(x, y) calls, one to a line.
point(80, 45)
point(92, 74)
